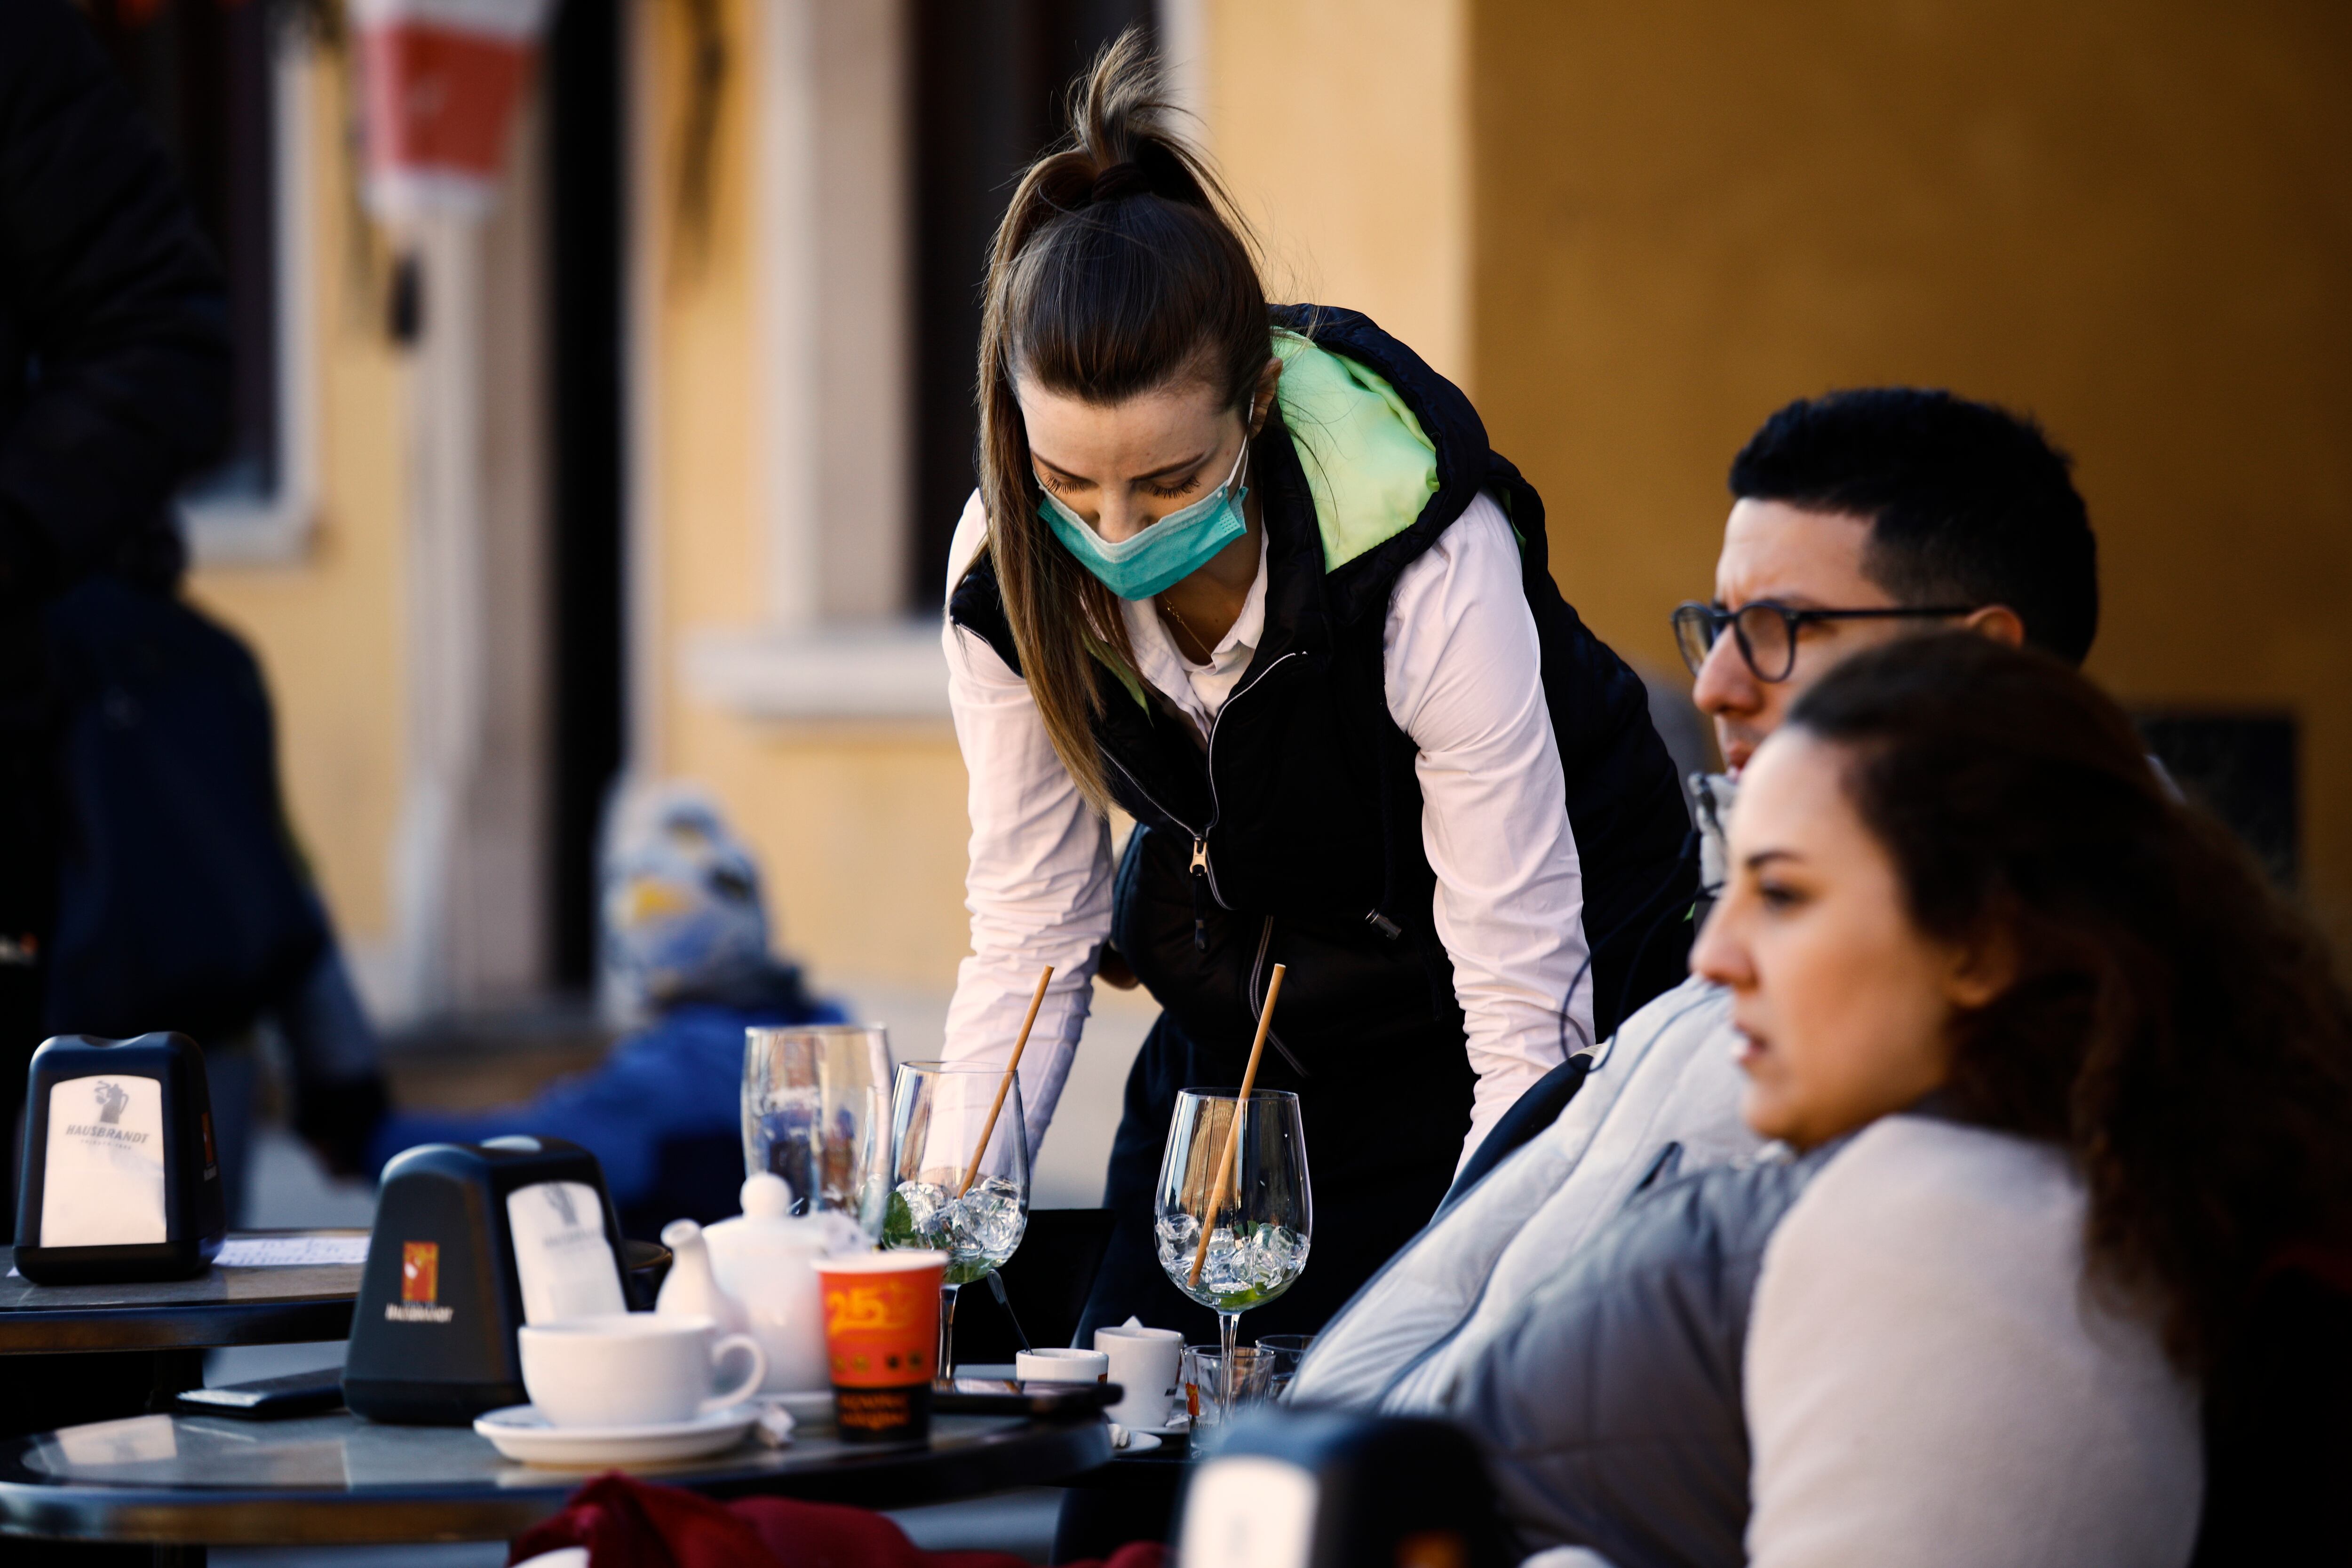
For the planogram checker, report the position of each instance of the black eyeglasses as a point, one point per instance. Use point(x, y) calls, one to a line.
point(1767, 633)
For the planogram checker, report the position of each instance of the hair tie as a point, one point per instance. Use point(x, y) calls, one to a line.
point(1125, 178)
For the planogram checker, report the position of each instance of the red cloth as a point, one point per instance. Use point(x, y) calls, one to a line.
point(627, 1523)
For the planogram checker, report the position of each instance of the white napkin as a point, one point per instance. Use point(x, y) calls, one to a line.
point(775, 1427)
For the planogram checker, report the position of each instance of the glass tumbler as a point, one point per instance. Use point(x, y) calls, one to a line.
point(816, 1112)
point(1209, 1400)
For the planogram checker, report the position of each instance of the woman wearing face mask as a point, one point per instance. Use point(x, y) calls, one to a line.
point(1252, 576)
point(2069, 1092)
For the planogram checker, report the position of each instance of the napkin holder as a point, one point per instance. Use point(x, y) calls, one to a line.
point(471, 1243)
point(1332, 1488)
point(120, 1180)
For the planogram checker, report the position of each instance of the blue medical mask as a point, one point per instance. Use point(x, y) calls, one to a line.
point(1166, 552)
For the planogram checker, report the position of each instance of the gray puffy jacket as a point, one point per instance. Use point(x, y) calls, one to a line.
point(1609, 1404)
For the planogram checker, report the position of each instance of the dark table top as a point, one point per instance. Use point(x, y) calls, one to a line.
point(274, 1305)
point(208, 1481)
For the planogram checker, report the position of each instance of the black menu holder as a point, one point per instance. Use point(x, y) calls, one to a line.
point(120, 1181)
point(472, 1242)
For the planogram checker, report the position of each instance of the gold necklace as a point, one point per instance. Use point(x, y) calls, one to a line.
point(1208, 654)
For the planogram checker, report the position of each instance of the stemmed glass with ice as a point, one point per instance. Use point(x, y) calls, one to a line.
point(961, 1174)
point(1235, 1165)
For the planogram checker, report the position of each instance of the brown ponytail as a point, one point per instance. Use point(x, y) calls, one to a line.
point(1119, 267)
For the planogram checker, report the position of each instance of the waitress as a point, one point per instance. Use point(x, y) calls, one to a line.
point(1252, 576)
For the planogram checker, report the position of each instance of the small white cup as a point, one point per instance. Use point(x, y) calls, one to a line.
point(1144, 1364)
point(1061, 1366)
point(632, 1369)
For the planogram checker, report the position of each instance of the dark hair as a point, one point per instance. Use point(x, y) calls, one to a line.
point(2173, 1022)
point(1119, 267)
point(1968, 503)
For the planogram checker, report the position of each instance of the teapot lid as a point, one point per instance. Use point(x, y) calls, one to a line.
point(768, 1218)
point(767, 1195)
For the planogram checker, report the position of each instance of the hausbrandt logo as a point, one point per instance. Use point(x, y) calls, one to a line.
point(420, 1286)
point(112, 1099)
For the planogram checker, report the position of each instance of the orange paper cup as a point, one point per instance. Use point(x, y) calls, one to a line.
point(881, 1334)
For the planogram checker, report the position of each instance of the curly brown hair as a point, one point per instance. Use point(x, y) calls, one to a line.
point(2174, 1022)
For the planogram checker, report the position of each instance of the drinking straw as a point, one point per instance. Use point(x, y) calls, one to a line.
point(1005, 1087)
point(1233, 1130)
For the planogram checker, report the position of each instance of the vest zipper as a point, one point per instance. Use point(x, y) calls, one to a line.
point(1200, 869)
point(1200, 874)
point(1203, 871)
point(1216, 808)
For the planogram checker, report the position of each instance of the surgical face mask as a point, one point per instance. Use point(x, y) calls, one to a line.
point(1166, 552)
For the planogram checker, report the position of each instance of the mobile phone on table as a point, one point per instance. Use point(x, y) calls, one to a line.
point(267, 1398)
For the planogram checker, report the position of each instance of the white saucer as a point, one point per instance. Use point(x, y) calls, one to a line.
point(1176, 1429)
point(520, 1432)
point(1138, 1442)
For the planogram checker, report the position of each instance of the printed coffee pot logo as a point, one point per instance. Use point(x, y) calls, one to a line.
point(562, 1201)
point(112, 1099)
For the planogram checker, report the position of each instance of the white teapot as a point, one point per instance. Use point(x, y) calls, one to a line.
point(757, 1273)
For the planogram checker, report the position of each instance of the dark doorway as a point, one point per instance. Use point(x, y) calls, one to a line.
point(989, 77)
point(583, 79)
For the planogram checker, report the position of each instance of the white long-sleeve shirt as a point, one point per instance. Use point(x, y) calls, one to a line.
point(1930, 1380)
point(1463, 678)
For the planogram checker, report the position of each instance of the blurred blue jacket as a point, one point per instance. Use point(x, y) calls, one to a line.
point(673, 1088)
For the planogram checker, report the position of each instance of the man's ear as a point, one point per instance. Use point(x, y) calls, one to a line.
point(1998, 621)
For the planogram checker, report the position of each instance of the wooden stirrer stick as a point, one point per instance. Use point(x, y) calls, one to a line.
point(1005, 1087)
point(1234, 1129)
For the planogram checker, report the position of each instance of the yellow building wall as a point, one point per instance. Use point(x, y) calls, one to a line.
point(2133, 221)
point(327, 627)
point(1342, 128)
point(860, 829)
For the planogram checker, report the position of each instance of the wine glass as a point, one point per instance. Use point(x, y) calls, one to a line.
point(816, 1113)
point(961, 1185)
point(1259, 1210)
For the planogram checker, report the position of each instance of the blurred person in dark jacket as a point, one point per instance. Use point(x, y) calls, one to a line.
point(136, 753)
point(147, 876)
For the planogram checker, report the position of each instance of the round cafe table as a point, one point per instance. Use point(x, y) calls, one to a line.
point(189, 1482)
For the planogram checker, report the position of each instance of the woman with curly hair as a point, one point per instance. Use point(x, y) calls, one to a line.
point(2063, 1084)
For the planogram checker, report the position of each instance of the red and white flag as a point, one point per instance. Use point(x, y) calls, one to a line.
point(439, 81)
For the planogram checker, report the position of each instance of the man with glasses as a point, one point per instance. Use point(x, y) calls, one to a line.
point(1857, 517)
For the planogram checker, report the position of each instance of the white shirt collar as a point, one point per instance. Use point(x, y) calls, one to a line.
point(1199, 689)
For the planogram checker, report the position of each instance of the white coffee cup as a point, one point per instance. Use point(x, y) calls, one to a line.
point(1144, 1364)
point(632, 1369)
point(1054, 1365)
